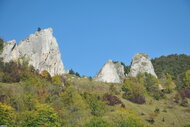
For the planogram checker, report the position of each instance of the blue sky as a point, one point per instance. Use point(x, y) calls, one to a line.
point(90, 32)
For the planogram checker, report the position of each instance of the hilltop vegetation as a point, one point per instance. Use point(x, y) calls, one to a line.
point(32, 99)
point(173, 64)
point(29, 98)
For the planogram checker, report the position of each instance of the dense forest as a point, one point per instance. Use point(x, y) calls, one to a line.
point(29, 98)
point(173, 64)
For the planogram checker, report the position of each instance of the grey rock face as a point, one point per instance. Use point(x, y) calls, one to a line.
point(140, 64)
point(40, 48)
point(111, 72)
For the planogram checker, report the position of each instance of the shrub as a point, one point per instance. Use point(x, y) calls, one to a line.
point(168, 83)
point(97, 107)
point(73, 107)
point(45, 74)
point(71, 72)
point(77, 74)
point(56, 80)
point(11, 72)
point(113, 90)
point(138, 99)
point(134, 90)
point(157, 110)
point(112, 100)
point(97, 122)
point(39, 29)
point(185, 92)
point(181, 100)
point(152, 86)
point(186, 79)
point(125, 118)
point(29, 78)
point(43, 115)
point(7, 115)
point(1, 45)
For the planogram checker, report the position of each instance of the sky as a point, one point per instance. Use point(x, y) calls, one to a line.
point(90, 32)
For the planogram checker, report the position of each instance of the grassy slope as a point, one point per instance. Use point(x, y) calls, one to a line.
point(176, 116)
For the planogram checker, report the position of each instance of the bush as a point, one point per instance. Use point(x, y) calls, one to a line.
point(43, 115)
point(125, 118)
point(152, 86)
point(134, 90)
point(168, 83)
point(97, 107)
point(113, 90)
point(11, 72)
point(186, 79)
point(71, 72)
point(185, 92)
point(138, 99)
point(181, 100)
point(73, 107)
point(39, 29)
point(7, 115)
point(97, 122)
point(1, 45)
point(77, 74)
point(112, 100)
point(45, 74)
point(29, 78)
point(157, 110)
point(56, 80)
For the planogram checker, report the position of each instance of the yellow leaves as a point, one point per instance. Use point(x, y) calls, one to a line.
point(124, 117)
point(7, 115)
point(56, 80)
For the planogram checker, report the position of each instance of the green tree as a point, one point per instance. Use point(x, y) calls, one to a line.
point(43, 115)
point(7, 115)
point(97, 107)
point(168, 83)
point(134, 90)
point(186, 79)
point(1, 45)
point(39, 29)
point(74, 109)
point(71, 72)
point(56, 80)
point(151, 84)
point(77, 74)
point(174, 64)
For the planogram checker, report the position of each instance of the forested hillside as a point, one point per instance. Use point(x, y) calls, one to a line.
point(29, 98)
point(173, 64)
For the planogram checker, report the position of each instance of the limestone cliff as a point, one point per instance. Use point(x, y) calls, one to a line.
point(140, 64)
point(41, 50)
point(111, 72)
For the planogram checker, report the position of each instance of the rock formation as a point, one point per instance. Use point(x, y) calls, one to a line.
point(140, 64)
point(111, 72)
point(41, 50)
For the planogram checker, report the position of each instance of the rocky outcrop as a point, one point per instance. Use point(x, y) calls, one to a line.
point(141, 63)
point(112, 72)
point(41, 50)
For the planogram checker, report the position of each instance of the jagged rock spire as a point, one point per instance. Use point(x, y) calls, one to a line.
point(41, 50)
point(141, 63)
point(111, 72)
